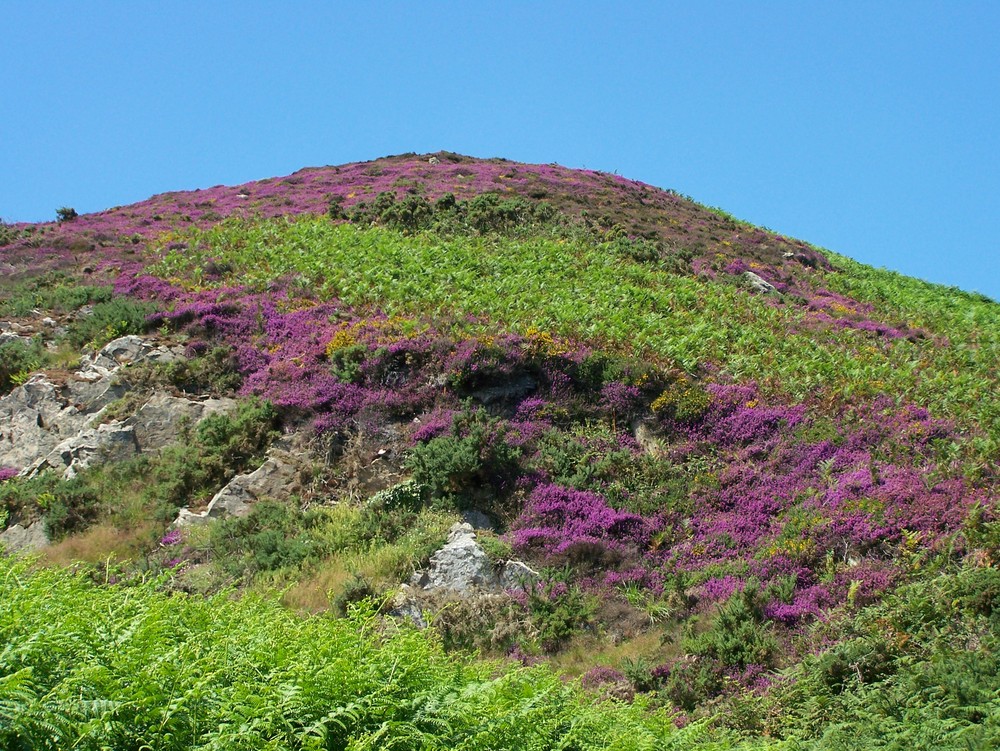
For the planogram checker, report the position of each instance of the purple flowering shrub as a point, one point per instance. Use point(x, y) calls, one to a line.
point(557, 518)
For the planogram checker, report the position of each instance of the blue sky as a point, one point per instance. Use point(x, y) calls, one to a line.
point(872, 129)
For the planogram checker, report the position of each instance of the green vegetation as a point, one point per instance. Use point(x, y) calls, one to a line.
point(576, 287)
point(125, 666)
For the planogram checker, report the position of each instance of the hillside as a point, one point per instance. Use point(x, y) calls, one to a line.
point(743, 488)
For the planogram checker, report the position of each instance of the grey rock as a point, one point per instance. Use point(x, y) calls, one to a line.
point(273, 479)
point(477, 519)
point(35, 418)
point(407, 606)
point(24, 539)
point(460, 566)
point(518, 576)
point(159, 421)
point(758, 283)
point(7, 337)
point(111, 442)
point(41, 414)
point(124, 350)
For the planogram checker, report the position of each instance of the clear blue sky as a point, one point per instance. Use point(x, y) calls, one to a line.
point(872, 129)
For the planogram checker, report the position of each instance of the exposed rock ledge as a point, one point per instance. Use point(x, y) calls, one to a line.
point(461, 568)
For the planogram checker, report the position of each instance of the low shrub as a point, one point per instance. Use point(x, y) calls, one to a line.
point(17, 359)
point(110, 320)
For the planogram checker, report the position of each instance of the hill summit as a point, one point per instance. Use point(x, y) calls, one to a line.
point(558, 414)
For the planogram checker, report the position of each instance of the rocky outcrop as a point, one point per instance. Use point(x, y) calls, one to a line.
point(48, 422)
point(111, 442)
point(460, 569)
point(275, 478)
point(124, 351)
point(160, 420)
point(35, 418)
point(461, 565)
point(18, 539)
point(517, 576)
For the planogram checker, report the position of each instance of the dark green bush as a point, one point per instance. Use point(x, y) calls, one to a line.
point(739, 634)
point(335, 208)
point(110, 320)
point(272, 536)
point(558, 612)
point(693, 681)
point(484, 214)
point(66, 214)
point(453, 467)
point(67, 505)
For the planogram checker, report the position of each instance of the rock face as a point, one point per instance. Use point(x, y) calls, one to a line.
point(273, 479)
point(16, 538)
point(112, 442)
point(35, 418)
point(49, 423)
point(160, 420)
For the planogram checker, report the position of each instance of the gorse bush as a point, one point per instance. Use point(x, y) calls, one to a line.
point(738, 635)
point(487, 213)
point(17, 359)
point(109, 320)
point(271, 537)
point(67, 505)
point(66, 214)
point(454, 467)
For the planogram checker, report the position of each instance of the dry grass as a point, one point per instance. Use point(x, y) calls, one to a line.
point(586, 651)
point(315, 592)
point(99, 543)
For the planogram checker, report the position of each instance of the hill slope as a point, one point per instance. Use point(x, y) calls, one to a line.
point(719, 449)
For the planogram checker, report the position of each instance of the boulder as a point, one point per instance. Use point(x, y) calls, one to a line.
point(759, 284)
point(24, 539)
point(124, 350)
point(460, 566)
point(7, 337)
point(273, 479)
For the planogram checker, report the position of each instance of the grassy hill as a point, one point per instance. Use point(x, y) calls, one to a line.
point(759, 479)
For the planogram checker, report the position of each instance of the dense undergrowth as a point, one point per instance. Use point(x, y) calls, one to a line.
point(770, 514)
